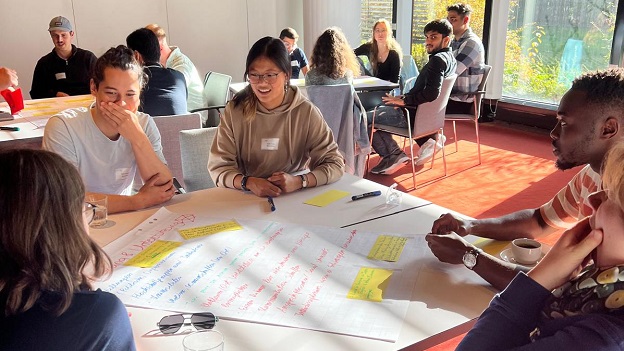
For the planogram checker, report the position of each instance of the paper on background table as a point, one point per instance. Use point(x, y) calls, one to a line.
point(268, 272)
point(327, 198)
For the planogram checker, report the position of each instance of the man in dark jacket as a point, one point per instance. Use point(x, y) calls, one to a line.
point(426, 89)
point(165, 93)
point(66, 70)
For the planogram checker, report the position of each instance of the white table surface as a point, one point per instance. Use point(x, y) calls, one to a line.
point(33, 118)
point(360, 84)
point(445, 296)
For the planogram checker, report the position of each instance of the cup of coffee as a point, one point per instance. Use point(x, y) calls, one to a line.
point(526, 251)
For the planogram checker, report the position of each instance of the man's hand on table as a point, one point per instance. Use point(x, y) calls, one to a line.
point(448, 223)
point(449, 248)
point(155, 191)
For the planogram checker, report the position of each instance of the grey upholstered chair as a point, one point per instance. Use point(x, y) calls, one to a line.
point(195, 146)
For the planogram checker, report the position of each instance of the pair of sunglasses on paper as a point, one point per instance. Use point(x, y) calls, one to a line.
point(201, 321)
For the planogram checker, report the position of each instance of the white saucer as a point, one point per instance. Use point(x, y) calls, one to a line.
point(508, 256)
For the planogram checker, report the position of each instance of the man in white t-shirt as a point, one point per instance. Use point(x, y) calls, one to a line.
point(172, 57)
point(109, 142)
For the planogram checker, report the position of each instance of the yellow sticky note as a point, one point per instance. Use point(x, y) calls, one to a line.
point(387, 248)
point(153, 254)
point(197, 232)
point(327, 198)
point(370, 284)
point(493, 247)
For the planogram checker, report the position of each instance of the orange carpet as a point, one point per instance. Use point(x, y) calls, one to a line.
point(517, 172)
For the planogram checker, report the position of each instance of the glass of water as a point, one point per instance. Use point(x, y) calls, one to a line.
point(100, 203)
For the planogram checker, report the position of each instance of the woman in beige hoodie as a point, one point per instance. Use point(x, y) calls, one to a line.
point(269, 132)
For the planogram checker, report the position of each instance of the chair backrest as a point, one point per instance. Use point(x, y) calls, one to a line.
point(169, 128)
point(408, 70)
point(479, 97)
point(336, 103)
point(195, 147)
point(430, 115)
point(216, 89)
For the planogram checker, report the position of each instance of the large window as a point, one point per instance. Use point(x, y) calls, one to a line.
point(549, 43)
point(371, 12)
point(425, 11)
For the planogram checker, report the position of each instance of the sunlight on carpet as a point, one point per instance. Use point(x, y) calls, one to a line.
point(491, 189)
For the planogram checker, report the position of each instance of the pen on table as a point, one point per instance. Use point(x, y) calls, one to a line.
point(270, 199)
point(361, 196)
point(10, 129)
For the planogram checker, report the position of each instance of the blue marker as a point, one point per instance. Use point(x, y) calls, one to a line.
point(270, 199)
point(361, 196)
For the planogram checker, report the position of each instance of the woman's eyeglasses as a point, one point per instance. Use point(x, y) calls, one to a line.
point(171, 324)
point(257, 78)
point(89, 211)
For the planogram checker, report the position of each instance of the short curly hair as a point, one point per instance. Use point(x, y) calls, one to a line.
point(332, 55)
point(604, 87)
point(461, 9)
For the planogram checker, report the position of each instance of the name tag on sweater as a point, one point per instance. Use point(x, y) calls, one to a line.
point(269, 143)
point(294, 63)
point(60, 76)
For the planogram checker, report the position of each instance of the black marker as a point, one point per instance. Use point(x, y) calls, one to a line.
point(10, 129)
point(361, 196)
point(270, 199)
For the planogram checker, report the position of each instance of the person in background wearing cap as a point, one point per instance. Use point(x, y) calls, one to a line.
point(66, 70)
point(8, 78)
point(172, 57)
point(298, 59)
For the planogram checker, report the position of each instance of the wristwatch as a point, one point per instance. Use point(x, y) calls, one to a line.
point(304, 181)
point(244, 183)
point(470, 258)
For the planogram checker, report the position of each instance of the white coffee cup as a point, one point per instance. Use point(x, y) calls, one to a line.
point(526, 251)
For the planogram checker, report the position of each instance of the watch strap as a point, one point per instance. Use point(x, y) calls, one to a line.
point(304, 181)
point(244, 183)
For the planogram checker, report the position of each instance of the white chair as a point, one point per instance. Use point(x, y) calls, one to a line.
point(429, 119)
point(474, 117)
point(195, 147)
point(170, 127)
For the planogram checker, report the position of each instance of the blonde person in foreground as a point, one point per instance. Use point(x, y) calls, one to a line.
point(574, 298)
point(270, 135)
point(110, 141)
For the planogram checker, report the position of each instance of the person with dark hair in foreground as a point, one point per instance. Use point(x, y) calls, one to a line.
point(48, 260)
point(553, 307)
point(270, 134)
point(590, 121)
point(165, 92)
point(110, 141)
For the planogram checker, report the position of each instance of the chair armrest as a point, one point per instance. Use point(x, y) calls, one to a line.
point(207, 108)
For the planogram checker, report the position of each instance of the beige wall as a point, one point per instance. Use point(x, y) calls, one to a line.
point(216, 35)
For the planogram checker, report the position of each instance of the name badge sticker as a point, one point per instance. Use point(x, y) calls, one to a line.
point(121, 173)
point(294, 63)
point(60, 76)
point(270, 143)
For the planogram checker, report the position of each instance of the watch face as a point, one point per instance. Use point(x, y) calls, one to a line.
point(470, 260)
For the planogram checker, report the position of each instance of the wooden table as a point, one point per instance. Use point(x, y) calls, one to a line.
point(32, 120)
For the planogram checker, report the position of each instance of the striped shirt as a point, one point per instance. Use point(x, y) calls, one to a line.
point(570, 205)
point(469, 53)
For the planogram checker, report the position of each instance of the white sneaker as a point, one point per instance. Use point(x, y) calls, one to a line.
point(426, 150)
